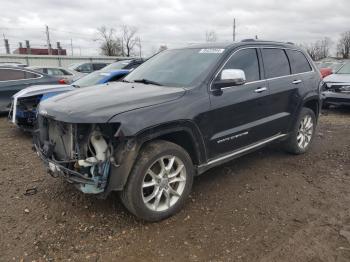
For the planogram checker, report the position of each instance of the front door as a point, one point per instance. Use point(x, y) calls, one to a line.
point(238, 113)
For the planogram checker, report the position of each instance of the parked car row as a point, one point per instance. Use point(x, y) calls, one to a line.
point(14, 79)
point(24, 106)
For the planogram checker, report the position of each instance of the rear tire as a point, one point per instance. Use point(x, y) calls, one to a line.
point(159, 182)
point(303, 133)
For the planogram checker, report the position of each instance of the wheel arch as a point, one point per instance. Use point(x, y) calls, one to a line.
point(183, 133)
point(314, 105)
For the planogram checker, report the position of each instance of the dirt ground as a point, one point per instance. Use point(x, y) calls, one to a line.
point(266, 206)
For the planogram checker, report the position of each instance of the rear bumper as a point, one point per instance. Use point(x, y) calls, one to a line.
point(335, 98)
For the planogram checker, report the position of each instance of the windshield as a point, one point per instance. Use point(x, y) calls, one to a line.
point(176, 68)
point(91, 79)
point(116, 66)
point(345, 69)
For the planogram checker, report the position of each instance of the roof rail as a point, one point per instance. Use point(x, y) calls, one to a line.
point(248, 40)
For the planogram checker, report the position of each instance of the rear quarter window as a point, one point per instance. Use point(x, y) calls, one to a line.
point(276, 63)
point(16, 74)
point(298, 62)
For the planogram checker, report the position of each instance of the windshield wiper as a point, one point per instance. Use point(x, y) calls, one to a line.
point(147, 82)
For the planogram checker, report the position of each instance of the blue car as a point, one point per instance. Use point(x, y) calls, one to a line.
point(25, 102)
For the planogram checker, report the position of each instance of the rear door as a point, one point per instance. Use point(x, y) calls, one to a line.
point(13, 80)
point(239, 113)
point(303, 71)
point(283, 88)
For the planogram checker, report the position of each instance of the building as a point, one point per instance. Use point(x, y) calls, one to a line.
point(39, 51)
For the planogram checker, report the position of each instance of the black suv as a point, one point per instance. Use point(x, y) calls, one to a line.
point(177, 115)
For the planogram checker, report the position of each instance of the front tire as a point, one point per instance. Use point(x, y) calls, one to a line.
point(159, 182)
point(303, 133)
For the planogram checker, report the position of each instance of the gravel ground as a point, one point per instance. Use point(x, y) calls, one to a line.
point(266, 206)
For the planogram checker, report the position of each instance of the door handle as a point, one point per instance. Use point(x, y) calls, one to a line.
point(260, 90)
point(295, 82)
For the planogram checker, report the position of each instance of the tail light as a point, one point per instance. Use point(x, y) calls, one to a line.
point(62, 81)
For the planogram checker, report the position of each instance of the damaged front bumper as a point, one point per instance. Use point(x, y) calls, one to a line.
point(80, 154)
point(86, 184)
point(96, 158)
point(336, 98)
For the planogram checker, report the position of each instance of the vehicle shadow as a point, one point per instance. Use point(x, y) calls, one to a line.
point(337, 110)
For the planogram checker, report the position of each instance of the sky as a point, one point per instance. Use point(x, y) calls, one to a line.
point(170, 22)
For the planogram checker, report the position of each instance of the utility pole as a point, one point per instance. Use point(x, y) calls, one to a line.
point(49, 49)
point(28, 47)
point(71, 46)
point(234, 30)
point(7, 46)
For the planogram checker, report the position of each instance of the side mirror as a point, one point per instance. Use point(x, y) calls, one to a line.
point(230, 77)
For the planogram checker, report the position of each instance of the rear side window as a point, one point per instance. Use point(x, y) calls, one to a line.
point(275, 62)
point(298, 62)
point(65, 72)
point(85, 68)
point(15, 74)
point(246, 60)
point(54, 72)
point(98, 66)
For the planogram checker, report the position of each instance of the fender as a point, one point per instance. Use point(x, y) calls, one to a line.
point(127, 151)
point(310, 96)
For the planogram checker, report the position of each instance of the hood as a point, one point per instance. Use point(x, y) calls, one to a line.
point(97, 104)
point(42, 89)
point(337, 78)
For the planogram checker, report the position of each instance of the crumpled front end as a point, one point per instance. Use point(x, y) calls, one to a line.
point(337, 94)
point(81, 153)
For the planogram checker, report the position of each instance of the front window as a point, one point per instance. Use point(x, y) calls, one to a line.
point(246, 60)
point(177, 68)
point(91, 79)
point(345, 69)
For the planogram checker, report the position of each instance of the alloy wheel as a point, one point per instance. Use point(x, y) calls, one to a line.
point(305, 132)
point(164, 183)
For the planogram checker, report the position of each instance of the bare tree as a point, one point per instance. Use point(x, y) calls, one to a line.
point(319, 49)
point(210, 36)
point(343, 47)
point(110, 44)
point(129, 39)
point(325, 45)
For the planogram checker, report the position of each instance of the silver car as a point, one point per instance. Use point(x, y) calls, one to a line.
point(66, 76)
point(337, 87)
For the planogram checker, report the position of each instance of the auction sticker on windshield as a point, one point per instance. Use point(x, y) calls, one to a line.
point(211, 51)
